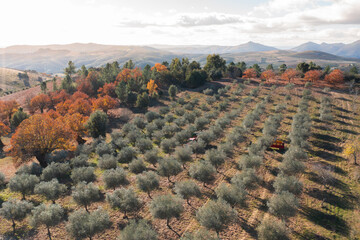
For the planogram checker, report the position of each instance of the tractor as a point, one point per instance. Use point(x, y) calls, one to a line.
point(277, 145)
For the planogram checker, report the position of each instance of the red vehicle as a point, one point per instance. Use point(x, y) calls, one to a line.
point(277, 145)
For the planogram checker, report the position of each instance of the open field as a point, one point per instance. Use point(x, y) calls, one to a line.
point(327, 211)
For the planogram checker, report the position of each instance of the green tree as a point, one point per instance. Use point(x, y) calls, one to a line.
point(142, 100)
point(257, 68)
point(354, 70)
point(282, 68)
point(70, 69)
point(270, 67)
point(166, 207)
point(303, 67)
point(97, 124)
point(172, 91)
point(49, 216)
point(122, 92)
point(55, 88)
point(43, 87)
point(195, 78)
point(84, 71)
point(68, 85)
point(242, 66)
point(15, 210)
point(215, 66)
point(215, 215)
point(18, 117)
point(129, 64)
point(146, 73)
point(327, 70)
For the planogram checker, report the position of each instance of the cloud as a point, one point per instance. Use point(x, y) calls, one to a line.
point(207, 19)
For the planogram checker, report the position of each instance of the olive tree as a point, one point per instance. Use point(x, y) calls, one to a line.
point(202, 171)
point(49, 216)
point(125, 200)
point(183, 154)
point(169, 167)
point(215, 157)
point(166, 207)
point(85, 194)
point(233, 195)
point(148, 182)
point(60, 171)
point(250, 161)
point(152, 156)
point(247, 178)
point(137, 166)
point(83, 224)
point(114, 177)
point(288, 183)
point(215, 215)
point(138, 230)
point(83, 174)
point(23, 183)
point(283, 205)
point(270, 229)
point(107, 161)
point(52, 190)
point(126, 154)
point(187, 189)
point(15, 210)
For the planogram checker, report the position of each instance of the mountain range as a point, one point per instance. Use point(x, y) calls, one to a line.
point(53, 58)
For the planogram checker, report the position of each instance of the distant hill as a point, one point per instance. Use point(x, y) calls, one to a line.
point(54, 58)
point(351, 50)
point(12, 80)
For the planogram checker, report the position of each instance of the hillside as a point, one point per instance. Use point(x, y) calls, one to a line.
point(11, 82)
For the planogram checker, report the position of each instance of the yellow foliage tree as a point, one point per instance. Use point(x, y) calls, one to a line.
point(352, 149)
point(152, 87)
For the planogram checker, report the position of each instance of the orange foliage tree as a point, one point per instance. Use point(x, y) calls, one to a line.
point(8, 108)
point(4, 130)
point(38, 136)
point(250, 73)
point(63, 107)
point(79, 95)
point(108, 89)
point(81, 106)
point(126, 74)
point(313, 75)
point(40, 102)
point(159, 67)
point(90, 84)
point(268, 75)
point(336, 76)
point(104, 103)
point(289, 74)
point(59, 97)
point(152, 87)
point(76, 122)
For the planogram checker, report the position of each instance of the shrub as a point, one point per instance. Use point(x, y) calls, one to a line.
point(169, 167)
point(201, 122)
point(202, 171)
point(56, 170)
point(137, 166)
point(85, 194)
point(215, 215)
point(187, 189)
point(49, 216)
point(215, 157)
point(168, 145)
point(15, 210)
point(247, 178)
point(85, 225)
point(52, 190)
point(138, 230)
point(139, 122)
point(173, 91)
point(271, 229)
point(18, 117)
point(142, 100)
point(151, 116)
point(144, 144)
point(126, 155)
point(250, 161)
point(160, 123)
point(206, 136)
point(125, 200)
point(83, 174)
point(152, 156)
point(254, 92)
point(179, 111)
point(33, 169)
point(97, 124)
point(283, 205)
point(79, 161)
point(287, 183)
point(198, 146)
point(164, 110)
point(208, 91)
point(23, 183)
point(169, 118)
point(147, 182)
point(114, 177)
point(157, 137)
point(233, 195)
point(104, 148)
point(134, 136)
point(288, 97)
point(166, 207)
point(183, 154)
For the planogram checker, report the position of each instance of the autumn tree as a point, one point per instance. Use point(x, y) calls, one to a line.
point(336, 76)
point(104, 103)
point(80, 105)
point(40, 102)
point(289, 74)
point(313, 75)
point(268, 75)
point(4, 130)
point(159, 67)
point(108, 89)
point(250, 73)
point(8, 108)
point(38, 136)
point(352, 149)
point(152, 87)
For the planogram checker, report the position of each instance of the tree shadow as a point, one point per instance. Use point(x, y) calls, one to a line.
point(348, 131)
point(326, 137)
point(326, 155)
point(327, 146)
point(330, 222)
point(331, 199)
point(342, 109)
point(342, 122)
point(247, 228)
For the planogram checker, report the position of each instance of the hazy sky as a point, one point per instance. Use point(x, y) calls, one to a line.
point(140, 22)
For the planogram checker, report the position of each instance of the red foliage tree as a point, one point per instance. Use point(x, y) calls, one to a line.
point(89, 84)
point(104, 103)
point(59, 97)
point(313, 75)
point(8, 108)
point(336, 76)
point(77, 122)
point(108, 89)
point(289, 74)
point(79, 95)
point(40, 102)
point(81, 106)
point(126, 74)
point(250, 73)
point(38, 136)
point(268, 75)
